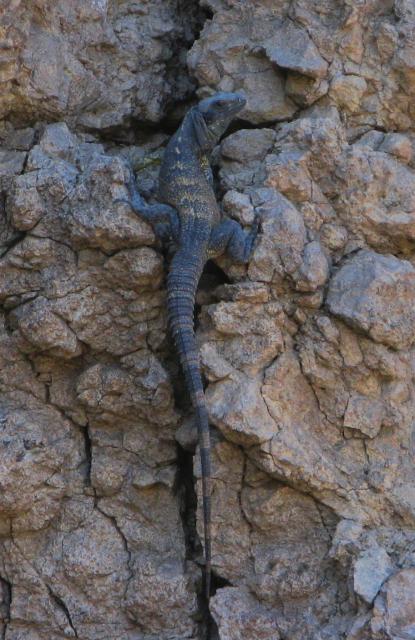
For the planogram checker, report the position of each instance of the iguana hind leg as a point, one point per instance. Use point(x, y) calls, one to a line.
point(229, 236)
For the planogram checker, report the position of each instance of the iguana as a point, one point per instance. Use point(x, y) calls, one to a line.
point(191, 217)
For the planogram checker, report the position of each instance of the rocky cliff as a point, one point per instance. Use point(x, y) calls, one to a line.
point(307, 353)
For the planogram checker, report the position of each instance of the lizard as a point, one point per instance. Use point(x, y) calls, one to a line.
point(189, 214)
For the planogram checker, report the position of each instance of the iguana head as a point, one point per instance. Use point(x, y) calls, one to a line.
point(213, 115)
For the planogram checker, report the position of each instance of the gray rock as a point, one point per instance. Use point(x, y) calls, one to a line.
point(314, 270)
point(364, 414)
point(292, 48)
point(238, 206)
point(364, 294)
point(57, 141)
point(11, 162)
point(226, 62)
point(237, 408)
point(46, 331)
point(241, 156)
point(248, 144)
point(279, 250)
point(313, 484)
point(19, 139)
point(24, 205)
point(239, 616)
point(394, 614)
point(398, 145)
point(93, 66)
point(346, 541)
point(371, 570)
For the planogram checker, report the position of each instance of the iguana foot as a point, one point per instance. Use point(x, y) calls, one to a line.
point(229, 236)
point(163, 218)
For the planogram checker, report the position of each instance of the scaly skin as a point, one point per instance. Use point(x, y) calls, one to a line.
point(192, 218)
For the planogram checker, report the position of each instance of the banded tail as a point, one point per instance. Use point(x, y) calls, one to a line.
point(184, 274)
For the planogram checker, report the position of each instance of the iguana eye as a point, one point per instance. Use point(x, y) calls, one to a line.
point(221, 103)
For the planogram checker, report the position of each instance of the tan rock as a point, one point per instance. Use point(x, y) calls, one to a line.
point(292, 48)
point(363, 293)
point(237, 408)
point(364, 414)
point(228, 57)
point(46, 331)
point(46, 71)
point(348, 91)
point(393, 611)
point(307, 352)
point(238, 616)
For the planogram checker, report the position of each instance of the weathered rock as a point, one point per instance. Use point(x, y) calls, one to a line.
point(398, 145)
point(307, 351)
point(346, 541)
point(227, 57)
point(11, 163)
point(292, 48)
point(314, 270)
point(304, 41)
point(238, 616)
point(231, 555)
point(46, 331)
point(382, 213)
point(41, 452)
point(237, 408)
point(371, 570)
point(273, 512)
point(394, 615)
point(279, 250)
point(238, 205)
point(241, 156)
point(364, 294)
point(93, 65)
point(74, 433)
point(253, 339)
point(270, 521)
point(364, 414)
point(348, 91)
point(160, 599)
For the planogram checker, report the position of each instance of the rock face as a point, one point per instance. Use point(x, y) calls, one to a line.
point(376, 295)
point(94, 63)
point(308, 352)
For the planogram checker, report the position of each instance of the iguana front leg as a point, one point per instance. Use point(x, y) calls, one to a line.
point(163, 218)
point(229, 236)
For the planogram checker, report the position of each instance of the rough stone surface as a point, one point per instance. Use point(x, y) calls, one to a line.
point(394, 614)
point(240, 616)
point(94, 63)
point(371, 570)
point(376, 294)
point(308, 352)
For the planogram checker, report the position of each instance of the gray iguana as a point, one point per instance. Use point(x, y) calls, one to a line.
point(191, 216)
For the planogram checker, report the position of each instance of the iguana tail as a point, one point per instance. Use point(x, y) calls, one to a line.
point(184, 274)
